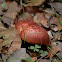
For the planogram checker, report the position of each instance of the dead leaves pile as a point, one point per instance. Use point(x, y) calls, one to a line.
point(10, 13)
point(10, 40)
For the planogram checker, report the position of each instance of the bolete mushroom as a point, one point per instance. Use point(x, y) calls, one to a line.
point(32, 32)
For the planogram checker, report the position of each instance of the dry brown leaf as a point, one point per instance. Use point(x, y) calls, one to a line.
point(26, 16)
point(11, 13)
point(15, 45)
point(11, 40)
point(34, 3)
point(55, 49)
point(54, 24)
point(57, 6)
point(41, 19)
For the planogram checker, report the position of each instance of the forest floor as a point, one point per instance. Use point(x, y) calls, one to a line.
point(47, 14)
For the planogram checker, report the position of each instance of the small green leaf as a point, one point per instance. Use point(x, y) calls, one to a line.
point(34, 49)
point(41, 51)
point(37, 50)
point(37, 46)
point(31, 47)
point(45, 52)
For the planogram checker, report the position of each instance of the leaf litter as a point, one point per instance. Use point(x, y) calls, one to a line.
point(10, 40)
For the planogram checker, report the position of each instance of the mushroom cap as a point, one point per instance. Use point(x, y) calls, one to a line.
point(32, 32)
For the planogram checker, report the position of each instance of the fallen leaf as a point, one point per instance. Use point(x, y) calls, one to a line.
point(16, 44)
point(54, 50)
point(54, 24)
point(41, 19)
point(48, 10)
point(57, 6)
point(26, 16)
point(34, 3)
point(10, 14)
point(11, 40)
